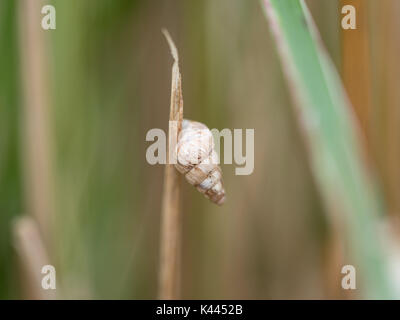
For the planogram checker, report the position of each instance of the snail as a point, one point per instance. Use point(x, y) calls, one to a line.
point(198, 160)
point(196, 157)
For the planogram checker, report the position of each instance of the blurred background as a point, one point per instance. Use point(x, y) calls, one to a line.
point(76, 104)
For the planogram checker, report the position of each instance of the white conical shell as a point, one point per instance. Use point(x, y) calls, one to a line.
point(198, 161)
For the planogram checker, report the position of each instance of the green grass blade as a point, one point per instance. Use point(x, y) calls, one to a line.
point(333, 141)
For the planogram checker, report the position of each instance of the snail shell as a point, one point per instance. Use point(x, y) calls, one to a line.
point(198, 161)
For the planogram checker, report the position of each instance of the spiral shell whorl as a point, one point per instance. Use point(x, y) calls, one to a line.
point(198, 161)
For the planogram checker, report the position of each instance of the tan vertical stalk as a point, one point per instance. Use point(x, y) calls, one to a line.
point(387, 113)
point(35, 115)
point(356, 71)
point(171, 215)
point(32, 235)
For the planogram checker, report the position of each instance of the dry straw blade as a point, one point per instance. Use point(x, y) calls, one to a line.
point(171, 215)
point(176, 110)
point(333, 142)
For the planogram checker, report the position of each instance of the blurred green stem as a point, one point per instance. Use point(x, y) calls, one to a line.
point(333, 142)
